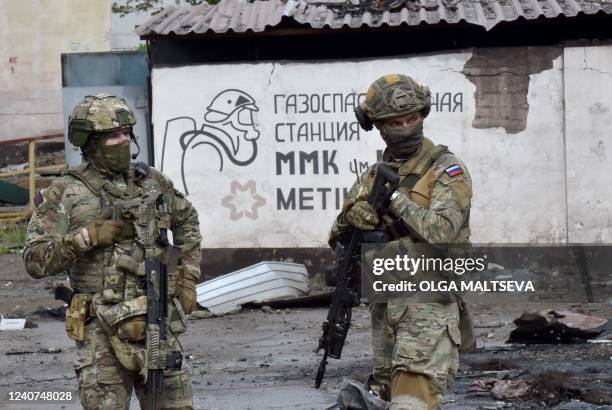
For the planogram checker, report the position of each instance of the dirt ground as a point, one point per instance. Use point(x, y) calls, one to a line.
point(260, 359)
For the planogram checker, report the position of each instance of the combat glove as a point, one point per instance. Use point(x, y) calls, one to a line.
point(362, 216)
point(186, 289)
point(359, 192)
point(102, 231)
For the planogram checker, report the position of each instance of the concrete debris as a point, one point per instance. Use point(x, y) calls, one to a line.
point(482, 385)
point(509, 390)
point(201, 314)
point(354, 396)
point(264, 281)
point(489, 325)
point(311, 300)
point(44, 350)
point(51, 313)
point(577, 320)
point(555, 327)
point(490, 364)
point(12, 324)
point(544, 389)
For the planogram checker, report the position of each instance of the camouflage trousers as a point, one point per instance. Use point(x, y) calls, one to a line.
point(105, 384)
point(418, 339)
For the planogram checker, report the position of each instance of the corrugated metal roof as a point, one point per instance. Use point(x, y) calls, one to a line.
point(241, 15)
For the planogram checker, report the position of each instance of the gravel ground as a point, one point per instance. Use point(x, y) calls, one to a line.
point(258, 359)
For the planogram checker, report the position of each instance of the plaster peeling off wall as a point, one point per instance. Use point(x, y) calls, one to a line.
point(501, 76)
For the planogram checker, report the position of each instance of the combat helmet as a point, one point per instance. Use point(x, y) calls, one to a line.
point(99, 113)
point(390, 96)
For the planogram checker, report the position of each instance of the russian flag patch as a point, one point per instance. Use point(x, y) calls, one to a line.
point(454, 170)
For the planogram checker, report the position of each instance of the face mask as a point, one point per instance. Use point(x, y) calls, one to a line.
point(402, 142)
point(114, 158)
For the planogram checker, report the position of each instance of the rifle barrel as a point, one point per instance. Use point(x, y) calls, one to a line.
point(321, 371)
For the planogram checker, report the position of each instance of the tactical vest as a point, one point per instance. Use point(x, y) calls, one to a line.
point(127, 256)
point(416, 181)
point(117, 290)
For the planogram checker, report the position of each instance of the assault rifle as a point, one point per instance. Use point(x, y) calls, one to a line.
point(158, 263)
point(348, 274)
point(156, 270)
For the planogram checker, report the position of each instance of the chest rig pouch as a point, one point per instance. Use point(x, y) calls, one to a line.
point(416, 180)
point(124, 263)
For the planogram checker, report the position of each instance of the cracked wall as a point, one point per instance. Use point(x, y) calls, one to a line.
point(518, 178)
point(519, 183)
point(588, 132)
point(502, 76)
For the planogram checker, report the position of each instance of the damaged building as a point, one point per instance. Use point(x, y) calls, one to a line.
point(261, 90)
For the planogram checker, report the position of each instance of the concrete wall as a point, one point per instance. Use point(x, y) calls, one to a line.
point(33, 35)
point(531, 128)
point(588, 137)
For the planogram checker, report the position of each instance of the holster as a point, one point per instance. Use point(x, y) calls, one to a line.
point(78, 315)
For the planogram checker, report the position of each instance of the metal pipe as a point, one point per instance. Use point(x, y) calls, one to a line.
point(48, 168)
point(14, 214)
point(14, 219)
point(32, 167)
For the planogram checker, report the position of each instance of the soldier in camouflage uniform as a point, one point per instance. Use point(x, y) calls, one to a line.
point(415, 341)
point(74, 230)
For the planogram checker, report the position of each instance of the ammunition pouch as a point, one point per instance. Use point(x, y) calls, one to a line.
point(129, 264)
point(113, 285)
point(130, 355)
point(125, 316)
point(77, 316)
point(133, 329)
point(126, 319)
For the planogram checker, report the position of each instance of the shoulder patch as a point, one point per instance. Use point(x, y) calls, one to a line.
point(454, 170)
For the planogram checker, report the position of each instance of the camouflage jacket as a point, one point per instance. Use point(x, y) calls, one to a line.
point(54, 241)
point(436, 209)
